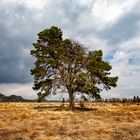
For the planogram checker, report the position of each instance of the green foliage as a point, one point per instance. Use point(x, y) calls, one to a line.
point(68, 63)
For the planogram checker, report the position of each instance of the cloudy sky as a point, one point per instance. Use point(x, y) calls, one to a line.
point(110, 25)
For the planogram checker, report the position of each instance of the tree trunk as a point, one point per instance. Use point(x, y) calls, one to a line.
point(71, 100)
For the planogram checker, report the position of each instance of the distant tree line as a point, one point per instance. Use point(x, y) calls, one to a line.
point(121, 100)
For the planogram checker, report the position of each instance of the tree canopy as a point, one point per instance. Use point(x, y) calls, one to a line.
point(64, 62)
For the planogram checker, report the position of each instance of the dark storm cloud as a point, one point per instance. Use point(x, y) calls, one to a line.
point(123, 29)
point(15, 40)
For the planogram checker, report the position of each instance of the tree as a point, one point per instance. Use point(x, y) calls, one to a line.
point(64, 62)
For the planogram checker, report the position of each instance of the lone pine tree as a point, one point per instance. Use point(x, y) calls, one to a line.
point(64, 62)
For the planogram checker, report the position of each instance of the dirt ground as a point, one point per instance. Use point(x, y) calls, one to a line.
point(50, 121)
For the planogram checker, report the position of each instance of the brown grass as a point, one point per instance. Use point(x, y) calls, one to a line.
point(49, 121)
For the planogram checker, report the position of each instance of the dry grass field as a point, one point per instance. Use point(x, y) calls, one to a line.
point(49, 121)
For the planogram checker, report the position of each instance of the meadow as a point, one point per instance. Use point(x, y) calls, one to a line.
point(51, 121)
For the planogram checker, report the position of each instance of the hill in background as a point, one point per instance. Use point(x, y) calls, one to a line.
point(13, 98)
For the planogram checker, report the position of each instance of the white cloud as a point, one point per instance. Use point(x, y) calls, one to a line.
point(24, 90)
point(127, 53)
point(126, 64)
point(109, 11)
point(37, 4)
